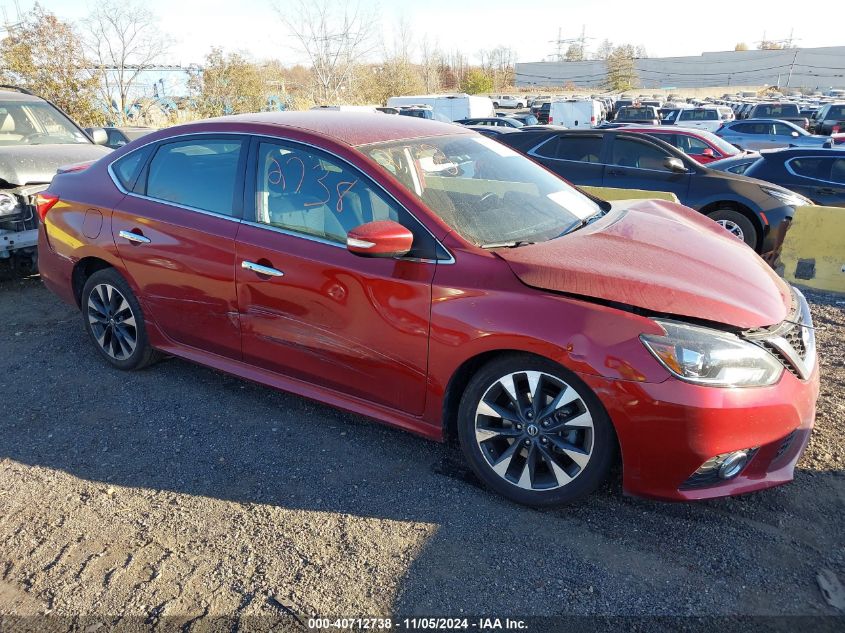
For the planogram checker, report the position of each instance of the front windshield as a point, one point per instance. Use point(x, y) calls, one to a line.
point(35, 123)
point(488, 193)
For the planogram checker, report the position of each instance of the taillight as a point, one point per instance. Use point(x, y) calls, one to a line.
point(550, 118)
point(835, 129)
point(44, 202)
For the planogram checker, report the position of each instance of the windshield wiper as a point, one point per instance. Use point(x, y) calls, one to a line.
point(511, 244)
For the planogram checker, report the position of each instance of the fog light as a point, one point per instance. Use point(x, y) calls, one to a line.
point(733, 465)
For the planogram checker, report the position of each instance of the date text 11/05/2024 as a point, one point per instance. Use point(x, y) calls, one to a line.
point(418, 624)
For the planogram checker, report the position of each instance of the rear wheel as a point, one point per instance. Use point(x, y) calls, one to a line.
point(114, 321)
point(737, 224)
point(534, 432)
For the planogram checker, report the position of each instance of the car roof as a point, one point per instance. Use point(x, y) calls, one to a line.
point(803, 151)
point(351, 128)
point(9, 94)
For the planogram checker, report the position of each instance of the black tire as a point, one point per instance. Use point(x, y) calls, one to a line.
point(142, 354)
point(546, 489)
point(495, 104)
point(737, 219)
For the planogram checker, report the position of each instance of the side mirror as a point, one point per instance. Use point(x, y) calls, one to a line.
point(383, 238)
point(707, 152)
point(795, 135)
point(98, 135)
point(675, 165)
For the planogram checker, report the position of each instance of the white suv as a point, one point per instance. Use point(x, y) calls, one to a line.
point(509, 101)
point(709, 119)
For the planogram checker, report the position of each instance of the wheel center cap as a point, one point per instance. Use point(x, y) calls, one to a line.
point(532, 430)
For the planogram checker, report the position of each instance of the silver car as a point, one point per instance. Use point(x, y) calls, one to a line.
point(756, 134)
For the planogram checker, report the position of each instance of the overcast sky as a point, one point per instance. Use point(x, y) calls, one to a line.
point(252, 26)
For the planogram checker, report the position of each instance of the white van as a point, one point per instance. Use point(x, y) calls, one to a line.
point(449, 107)
point(347, 108)
point(576, 113)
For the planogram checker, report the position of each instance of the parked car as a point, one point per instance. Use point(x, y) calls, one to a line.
point(707, 118)
point(499, 121)
point(735, 164)
point(768, 134)
point(388, 266)
point(448, 107)
point(418, 112)
point(576, 113)
point(120, 136)
point(526, 118)
point(815, 174)
point(705, 147)
point(541, 111)
point(36, 138)
point(641, 115)
point(830, 119)
point(509, 101)
point(781, 111)
point(754, 211)
point(493, 131)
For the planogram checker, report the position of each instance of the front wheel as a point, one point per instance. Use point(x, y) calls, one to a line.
point(736, 224)
point(534, 432)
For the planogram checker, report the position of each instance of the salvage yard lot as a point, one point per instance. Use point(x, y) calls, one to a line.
point(182, 492)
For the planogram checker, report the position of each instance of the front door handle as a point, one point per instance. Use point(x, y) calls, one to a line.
point(262, 270)
point(617, 172)
point(136, 238)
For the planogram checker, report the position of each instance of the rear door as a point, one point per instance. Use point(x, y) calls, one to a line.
point(323, 315)
point(637, 163)
point(175, 232)
point(576, 157)
point(820, 178)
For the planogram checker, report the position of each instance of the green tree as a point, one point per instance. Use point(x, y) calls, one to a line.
point(621, 71)
point(574, 53)
point(46, 56)
point(476, 81)
point(230, 84)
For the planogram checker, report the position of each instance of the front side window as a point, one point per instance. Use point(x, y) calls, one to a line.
point(488, 193)
point(36, 123)
point(199, 173)
point(631, 153)
point(307, 192)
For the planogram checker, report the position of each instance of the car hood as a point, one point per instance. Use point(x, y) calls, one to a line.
point(662, 257)
point(27, 164)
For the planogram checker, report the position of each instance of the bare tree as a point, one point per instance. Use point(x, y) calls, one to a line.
point(123, 41)
point(430, 57)
point(335, 36)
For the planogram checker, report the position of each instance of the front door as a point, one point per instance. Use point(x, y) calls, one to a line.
point(639, 164)
point(175, 233)
point(312, 310)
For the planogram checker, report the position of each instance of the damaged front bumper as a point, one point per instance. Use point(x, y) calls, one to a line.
point(19, 222)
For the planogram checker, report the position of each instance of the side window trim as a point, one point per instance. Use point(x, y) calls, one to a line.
point(788, 166)
point(441, 254)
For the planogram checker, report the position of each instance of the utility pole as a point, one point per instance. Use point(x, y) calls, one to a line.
point(792, 66)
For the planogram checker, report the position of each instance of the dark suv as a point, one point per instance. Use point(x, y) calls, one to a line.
point(780, 111)
point(36, 138)
point(830, 119)
point(755, 211)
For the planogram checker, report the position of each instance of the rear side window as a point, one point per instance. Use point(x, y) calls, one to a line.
point(585, 149)
point(820, 168)
point(127, 168)
point(199, 173)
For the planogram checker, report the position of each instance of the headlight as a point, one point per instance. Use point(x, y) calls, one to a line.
point(8, 204)
point(787, 197)
point(710, 357)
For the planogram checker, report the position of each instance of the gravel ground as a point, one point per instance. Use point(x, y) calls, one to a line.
point(183, 494)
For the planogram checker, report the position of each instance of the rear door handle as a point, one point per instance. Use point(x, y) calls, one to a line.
point(136, 238)
point(617, 172)
point(262, 270)
point(826, 192)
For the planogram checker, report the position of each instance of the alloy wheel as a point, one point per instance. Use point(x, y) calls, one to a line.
point(112, 321)
point(534, 430)
point(732, 227)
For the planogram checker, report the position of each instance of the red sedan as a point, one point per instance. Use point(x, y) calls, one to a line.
point(426, 276)
point(700, 145)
